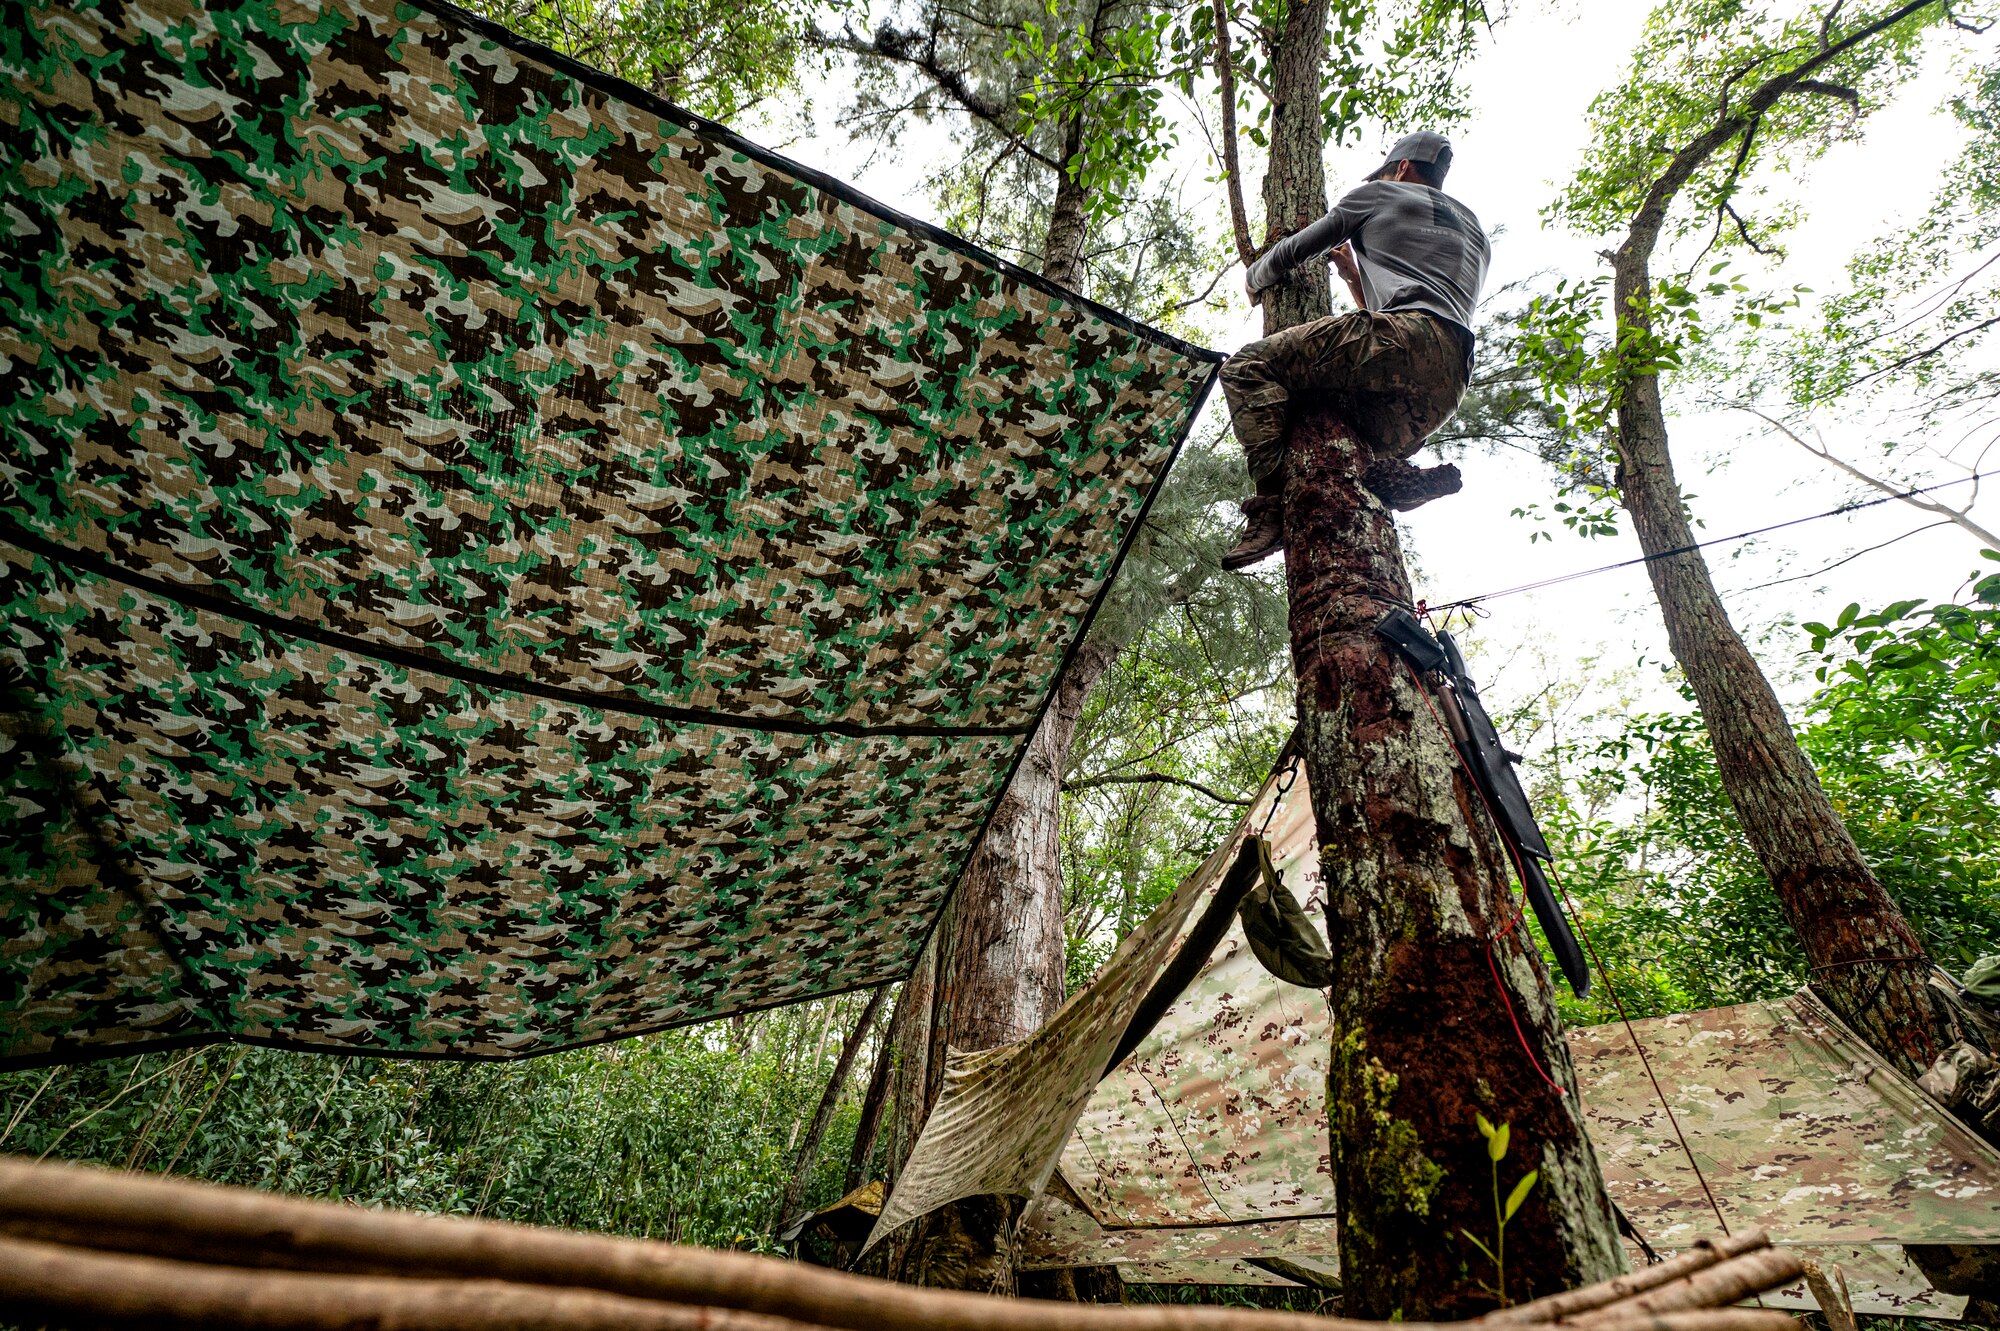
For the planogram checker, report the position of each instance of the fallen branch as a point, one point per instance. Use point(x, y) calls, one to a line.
point(1707, 1319)
point(1575, 1302)
point(1718, 1286)
point(73, 1284)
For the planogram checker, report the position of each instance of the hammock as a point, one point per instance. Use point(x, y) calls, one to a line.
point(490, 562)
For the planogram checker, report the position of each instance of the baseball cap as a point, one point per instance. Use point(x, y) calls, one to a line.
point(1422, 146)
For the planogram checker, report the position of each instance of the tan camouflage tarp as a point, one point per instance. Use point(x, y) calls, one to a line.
point(1003, 1114)
point(1241, 1059)
point(1208, 1145)
point(489, 562)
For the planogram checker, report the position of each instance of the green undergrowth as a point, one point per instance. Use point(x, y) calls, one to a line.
point(684, 1136)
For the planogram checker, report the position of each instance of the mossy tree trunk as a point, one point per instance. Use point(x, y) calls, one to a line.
point(1427, 969)
point(1414, 879)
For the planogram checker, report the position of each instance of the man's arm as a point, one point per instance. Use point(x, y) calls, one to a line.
point(1336, 228)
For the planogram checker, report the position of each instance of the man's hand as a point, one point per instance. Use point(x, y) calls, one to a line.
point(1256, 296)
point(1342, 257)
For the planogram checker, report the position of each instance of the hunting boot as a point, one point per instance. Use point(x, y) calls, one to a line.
point(1263, 532)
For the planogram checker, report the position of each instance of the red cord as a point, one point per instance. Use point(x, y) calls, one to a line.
point(1492, 965)
point(1519, 1034)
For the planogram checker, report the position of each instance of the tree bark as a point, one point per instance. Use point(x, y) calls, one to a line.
point(1000, 956)
point(1295, 181)
point(808, 1152)
point(1867, 962)
point(1427, 966)
point(1415, 883)
point(1069, 215)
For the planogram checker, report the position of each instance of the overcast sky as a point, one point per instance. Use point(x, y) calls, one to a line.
point(1532, 83)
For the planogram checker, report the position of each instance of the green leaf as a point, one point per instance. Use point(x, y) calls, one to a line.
point(1519, 1195)
point(1496, 1142)
point(1485, 1127)
point(1482, 1247)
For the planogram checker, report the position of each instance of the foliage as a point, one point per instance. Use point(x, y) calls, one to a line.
point(1921, 679)
point(1692, 67)
point(714, 57)
point(1497, 1140)
point(1922, 301)
point(1198, 697)
point(685, 1136)
point(1090, 74)
point(1393, 63)
point(1586, 375)
point(1684, 150)
point(1905, 737)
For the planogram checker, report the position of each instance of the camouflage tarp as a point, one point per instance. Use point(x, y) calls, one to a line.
point(1241, 1059)
point(1003, 1114)
point(1208, 1145)
point(491, 562)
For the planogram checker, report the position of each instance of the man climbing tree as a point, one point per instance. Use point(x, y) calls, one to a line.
point(1414, 260)
point(1443, 1020)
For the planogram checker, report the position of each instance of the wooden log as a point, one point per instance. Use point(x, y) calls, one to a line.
point(1570, 1303)
point(1715, 1287)
point(95, 1208)
point(124, 1243)
point(79, 1286)
point(1704, 1319)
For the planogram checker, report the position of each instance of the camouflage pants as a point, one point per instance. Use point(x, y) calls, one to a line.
point(1394, 377)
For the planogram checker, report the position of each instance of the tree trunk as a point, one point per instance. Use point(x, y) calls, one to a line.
point(1069, 216)
point(869, 1127)
point(1295, 182)
point(808, 1152)
point(1415, 883)
point(1867, 962)
point(1427, 968)
point(1008, 974)
point(1000, 953)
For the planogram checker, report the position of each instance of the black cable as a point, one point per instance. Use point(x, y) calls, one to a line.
point(1853, 507)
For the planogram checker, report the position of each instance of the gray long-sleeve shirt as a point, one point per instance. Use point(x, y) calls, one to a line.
point(1417, 248)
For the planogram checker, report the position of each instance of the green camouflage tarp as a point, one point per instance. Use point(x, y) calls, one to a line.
point(1207, 1147)
point(488, 561)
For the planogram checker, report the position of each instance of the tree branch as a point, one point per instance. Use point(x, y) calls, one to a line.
point(919, 52)
point(1151, 779)
point(1225, 73)
point(1741, 229)
point(1919, 502)
point(1836, 90)
point(1924, 353)
point(1800, 577)
point(1652, 214)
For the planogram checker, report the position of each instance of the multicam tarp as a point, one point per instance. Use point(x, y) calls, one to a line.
point(1004, 1114)
point(1206, 1149)
point(488, 561)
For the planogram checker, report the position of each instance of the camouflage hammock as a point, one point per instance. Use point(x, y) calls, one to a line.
point(490, 562)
